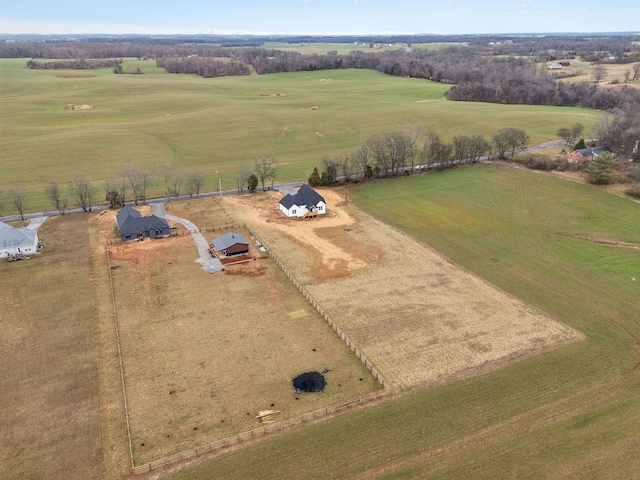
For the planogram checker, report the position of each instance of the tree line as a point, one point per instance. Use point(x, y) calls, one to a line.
point(130, 184)
point(415, 148)
point(480, 72)
point(78, 64)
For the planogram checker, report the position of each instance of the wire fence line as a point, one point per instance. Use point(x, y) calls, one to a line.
point(220, 446)
point(187, 231)
point(257, 433)
point(321, 311)
point(117, 329)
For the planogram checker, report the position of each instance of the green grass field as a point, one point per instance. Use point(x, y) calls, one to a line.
point(570, 413)
point(211, 125)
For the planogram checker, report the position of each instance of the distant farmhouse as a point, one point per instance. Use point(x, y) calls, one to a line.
point(17, 241)
point(587, 154)
point(305, 203)
point(133, 226)
point(230, 244)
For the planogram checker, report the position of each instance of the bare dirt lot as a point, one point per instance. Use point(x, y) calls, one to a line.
point(421, 319)
point(204, 353)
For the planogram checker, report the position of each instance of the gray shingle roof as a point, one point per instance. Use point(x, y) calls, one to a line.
point(593, 151)
point(305, 197)
point(227, 240)
point(11, 237)
point(131, 221)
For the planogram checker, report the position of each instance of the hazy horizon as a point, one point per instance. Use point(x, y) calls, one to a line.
point(317, 17)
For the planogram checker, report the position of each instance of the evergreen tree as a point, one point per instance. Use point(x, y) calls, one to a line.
point(252, 183)
point(600, 170)
point(314, 179)
point(580, 145)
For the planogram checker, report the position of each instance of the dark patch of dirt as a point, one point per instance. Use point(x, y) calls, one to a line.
point(309, 382)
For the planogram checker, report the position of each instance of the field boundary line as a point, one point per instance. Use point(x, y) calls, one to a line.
point(262, 432)
point(117, 328)
point(321, 311)
point(258, 433)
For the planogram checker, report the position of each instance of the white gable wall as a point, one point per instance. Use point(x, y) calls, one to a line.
point(22, 249)
point(296, 211)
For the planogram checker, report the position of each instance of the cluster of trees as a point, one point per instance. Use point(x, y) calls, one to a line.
point(264, 169)
point(570, 135)
point(620, 130)
point(130, 184)
point(203, 66)
point(401, 153)
point(79, 64)
point(482, 72)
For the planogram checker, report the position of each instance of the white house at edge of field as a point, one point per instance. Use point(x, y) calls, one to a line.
point(17, 241)
point(305, 201)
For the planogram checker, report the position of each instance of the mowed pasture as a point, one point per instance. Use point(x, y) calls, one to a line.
point(420, 319)
point(215, 125)
point(204, 353)
point(571, 413)
point(50, 416)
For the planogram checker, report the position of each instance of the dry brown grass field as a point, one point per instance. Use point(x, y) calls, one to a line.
point(49, 400)
point(203, 353)
point(584, 71)
point(421, 319)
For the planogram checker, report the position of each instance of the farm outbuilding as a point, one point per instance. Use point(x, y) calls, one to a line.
point(304, 203)
point(133, 226)
point(231, 244)
point(17, 241)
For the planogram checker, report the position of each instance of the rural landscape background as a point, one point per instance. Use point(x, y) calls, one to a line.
point(473, 306)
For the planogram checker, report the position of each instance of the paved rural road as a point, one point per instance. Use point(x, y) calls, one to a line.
point(284, 187)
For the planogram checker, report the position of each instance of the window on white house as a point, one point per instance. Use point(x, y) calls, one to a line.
point(294, 212)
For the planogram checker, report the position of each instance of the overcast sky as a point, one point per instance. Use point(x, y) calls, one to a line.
point(317, 16)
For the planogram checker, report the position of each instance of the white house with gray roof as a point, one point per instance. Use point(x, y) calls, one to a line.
point(305, 201)
point(17, 241)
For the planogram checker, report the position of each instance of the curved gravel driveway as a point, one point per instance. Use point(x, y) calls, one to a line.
point(209, 264)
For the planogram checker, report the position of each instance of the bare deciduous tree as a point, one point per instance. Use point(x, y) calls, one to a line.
point(470, 148)
point(510, 140)
point(360, 161)
point(168, 179)
point(84, 193)
point(566, 135)
point(266, 168)
point(57, 198)
point(17, 198)
point(416, 134)
point(599, 73)
point(138, 180)
point(636, 71)
point(435, 151)
point(116, 191)
point(195, 182)
point(243, 176)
